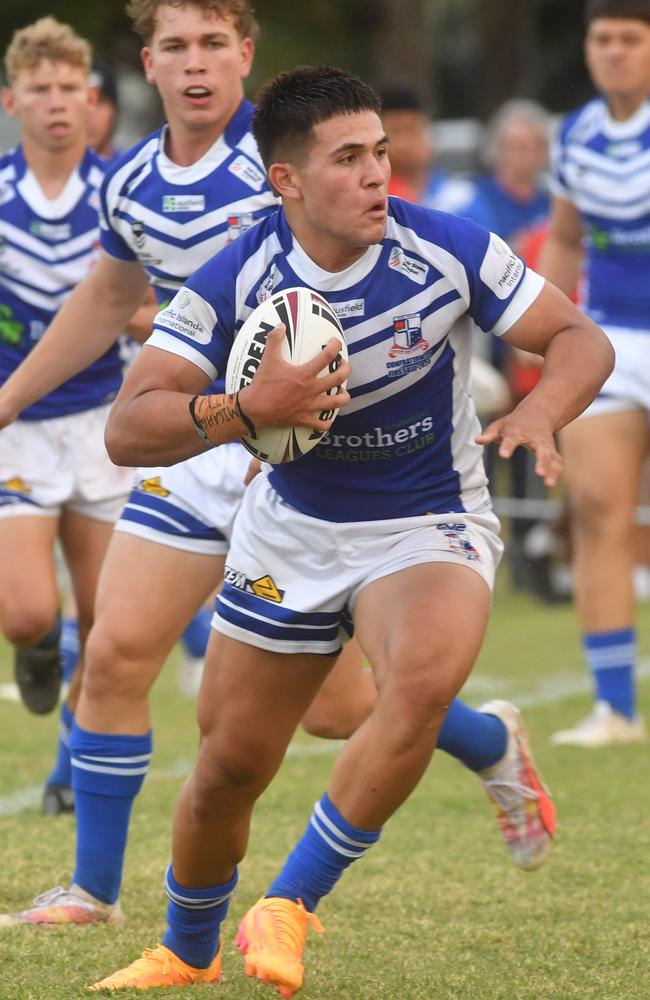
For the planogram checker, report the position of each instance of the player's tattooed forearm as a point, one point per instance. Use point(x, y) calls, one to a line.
point(215, 411)
point(210, 413)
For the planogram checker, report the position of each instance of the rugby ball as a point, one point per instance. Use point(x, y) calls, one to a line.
point(310, 322)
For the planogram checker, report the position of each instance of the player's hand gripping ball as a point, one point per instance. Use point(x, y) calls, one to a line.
point(310, 322)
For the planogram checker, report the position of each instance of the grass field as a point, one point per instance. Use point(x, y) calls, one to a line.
point(436, 911)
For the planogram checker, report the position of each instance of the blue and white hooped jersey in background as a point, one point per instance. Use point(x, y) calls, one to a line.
point(603, 167)
point(47, 247)
point(404, 445)
point(173, 219)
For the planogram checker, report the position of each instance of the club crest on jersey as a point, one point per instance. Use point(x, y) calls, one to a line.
point(238, 224)
point(407, 336)
point(413, 268)
point(264, 586)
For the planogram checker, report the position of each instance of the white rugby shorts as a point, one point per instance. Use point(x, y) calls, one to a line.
point(49, 465)
point(191, 505)
point(292, 581)
point(628, 387)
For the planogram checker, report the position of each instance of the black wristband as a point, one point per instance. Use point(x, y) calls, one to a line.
point(197, 426)
point(250, 426)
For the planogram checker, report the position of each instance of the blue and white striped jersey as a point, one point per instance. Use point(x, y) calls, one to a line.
point(173, 219)
point(404, 446)
point(603, 167)
point(47, 246)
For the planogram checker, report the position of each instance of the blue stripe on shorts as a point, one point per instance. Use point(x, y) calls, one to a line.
point(158, 513)
point(10, 497)
point(263, 617)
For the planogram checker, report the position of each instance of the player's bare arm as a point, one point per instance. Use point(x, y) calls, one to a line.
point(161, 415)
point(578, 357)
point(561, 256)
point(85, 327)
point(141, 323)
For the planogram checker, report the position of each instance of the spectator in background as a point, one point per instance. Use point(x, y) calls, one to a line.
point(513, 201)
point(411, 152)
point(102, 116)
point(513, 198)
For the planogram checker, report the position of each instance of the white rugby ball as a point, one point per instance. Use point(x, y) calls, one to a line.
point(310, 322)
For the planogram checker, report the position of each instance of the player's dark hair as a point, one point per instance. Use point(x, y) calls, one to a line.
point(635, 10)
point(399, 97)
point(292, 103)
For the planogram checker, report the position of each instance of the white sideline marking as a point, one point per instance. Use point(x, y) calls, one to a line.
point(9, 692)
point(549, 692)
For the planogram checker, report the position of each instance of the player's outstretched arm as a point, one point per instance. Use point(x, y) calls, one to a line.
point(86, 326)
point(160, 416)
point(578, 357)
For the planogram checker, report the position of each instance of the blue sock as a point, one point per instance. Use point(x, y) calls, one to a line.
point(327, 847)
point(60, 774)
point(611, 657)
point(196, 635)
point(476, 739)
point(107, 774)
point(69, 647)
point(195, 917)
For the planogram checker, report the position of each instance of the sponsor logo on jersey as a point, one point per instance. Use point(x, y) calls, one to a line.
point(15, 485)
point(247, 172)
point(50, 230)
point(501, 269)
point(154, 486)
point(413, 268)
point(628, 240)
point(273, 278)
point(624, 149)
point(380, 443)
point(11, 331)
point(456, 542)
point(198, 326)
point(183, 203)
point(407, 336)
point(238, 224)
point(263, 586)
point(348, 310)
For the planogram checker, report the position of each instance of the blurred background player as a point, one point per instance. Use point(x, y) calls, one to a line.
point(601, 222)
point(167, 553)
point(102, 116)
point(56, 480)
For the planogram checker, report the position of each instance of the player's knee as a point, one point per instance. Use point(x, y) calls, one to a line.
point(25, 626)
point(597, 511)
point(227, 780)
point(417, 706)
point(111, 667)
